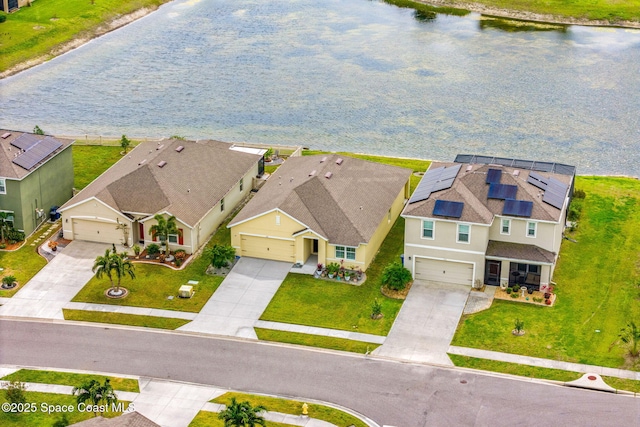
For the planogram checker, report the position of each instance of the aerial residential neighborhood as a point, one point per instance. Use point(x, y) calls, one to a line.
point(348, 214)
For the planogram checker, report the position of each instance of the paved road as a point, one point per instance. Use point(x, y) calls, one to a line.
point(398, 394)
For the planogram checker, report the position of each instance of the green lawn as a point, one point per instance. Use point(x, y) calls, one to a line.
point(315, 341)
point(609, 10)
point(210, 419)
point(25, 262)
point(124, 319)
point(43, 418)
point(154, 283)
point(36, 31)
point(70, 378)
point(598, 287)
point(286, 406)
point(90, 161)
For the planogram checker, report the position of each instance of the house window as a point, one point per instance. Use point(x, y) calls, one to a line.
point(345, 252)
point(463, 233)
point(531, 229)
point(173, 238)
point(277, 219)
point(3, 186)
point(427, 229)
point(505, 227)
point(241, 184)
point(222, 205)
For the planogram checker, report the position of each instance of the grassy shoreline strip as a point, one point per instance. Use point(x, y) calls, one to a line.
point(124, 319)
point(70, 379)
point(537, 372)
point(308, 340)
point(294, 407)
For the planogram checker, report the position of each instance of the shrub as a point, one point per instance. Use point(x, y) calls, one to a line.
point(579, 194)
point(575, 210)
point(547, 301)
point(3, 18)
point(221, 255)
point(333, 268)
point(153, 249)
point(509, 290)
point(15, 235)
point(376, 308)
point(15, 392)
point(9, 280)
point(536, 299)
point(3, 246)
point(516, 288)
point(514, 295)
point(530, 291)
point(518, 325)
point(395, 276)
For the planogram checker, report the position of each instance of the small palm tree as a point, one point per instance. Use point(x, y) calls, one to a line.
point(242, 414)
point(121, 266)
point(163, 228)
point(94, 393)
point(630, 335)
point(102, 266)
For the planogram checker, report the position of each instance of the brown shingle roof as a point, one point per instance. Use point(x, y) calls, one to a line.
point(470, 187)
point(188, 185)
point(518, 251)
point(345, 209)
point(8, 169)
point(129, 419)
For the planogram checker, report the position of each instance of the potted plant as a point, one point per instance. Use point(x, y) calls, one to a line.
point(53, 245)
point(136, 250)
point(332, 269)
point(318, 269)
point(347, 275)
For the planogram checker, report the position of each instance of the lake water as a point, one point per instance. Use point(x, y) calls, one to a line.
point(351, 75)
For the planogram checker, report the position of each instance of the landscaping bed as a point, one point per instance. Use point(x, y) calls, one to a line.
point(598, 288)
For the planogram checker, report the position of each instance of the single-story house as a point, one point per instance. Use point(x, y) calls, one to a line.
point(335, 207)
point(36, 174)
point(488, 220)
point(199, 183)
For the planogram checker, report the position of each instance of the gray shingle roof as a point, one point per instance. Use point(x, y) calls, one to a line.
point(518, 251)
point(129, 419)
point(8, 169)
point(345, 209)
point(470, 187)
point(188, 185)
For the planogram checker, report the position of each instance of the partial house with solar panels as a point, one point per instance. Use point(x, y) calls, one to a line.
point(489, 220)
point(36, 174)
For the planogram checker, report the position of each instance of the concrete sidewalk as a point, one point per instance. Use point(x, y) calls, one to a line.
point(174, 404)
point(544, 363)
point(241, 298)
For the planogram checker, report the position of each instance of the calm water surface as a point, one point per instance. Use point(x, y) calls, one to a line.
point(351, 75)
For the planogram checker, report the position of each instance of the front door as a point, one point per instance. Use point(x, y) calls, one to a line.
point(315, 247)
point(492, 273)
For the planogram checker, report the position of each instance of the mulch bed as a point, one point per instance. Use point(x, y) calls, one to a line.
point(396, 294)
point(154, 259)
point(528, 298)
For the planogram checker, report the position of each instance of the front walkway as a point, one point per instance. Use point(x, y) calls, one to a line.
point(426, 323)
point(241, 299)
point(56, 284)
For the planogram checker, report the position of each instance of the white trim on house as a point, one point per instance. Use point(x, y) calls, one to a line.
point(479, 224)
point(268, 237)
point(519, 261)
point(95, 199)
point(308, 230)
point(413, 260)
point(535, 229)
point(440, 248)
point(433, 229)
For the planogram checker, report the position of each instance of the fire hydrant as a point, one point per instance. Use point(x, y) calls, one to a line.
point(305, 409)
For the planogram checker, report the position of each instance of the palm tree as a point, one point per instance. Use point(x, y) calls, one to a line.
point(103, 265)
point(94, 393)
point(121, 266)
point(242, 414)
point(630, 335)
point(163, 228)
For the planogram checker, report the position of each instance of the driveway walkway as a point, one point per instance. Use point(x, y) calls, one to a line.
point(241, 299)
point(56, 284)
point(426, 323)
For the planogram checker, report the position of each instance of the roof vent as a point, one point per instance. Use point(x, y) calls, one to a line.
point(516, 172)
point(6, 135)
point(339, 161)
point(162, 163)
point(312, 173)
point(328, 175)
point(469, 168)
point(142, 162)
point(324, 159)
point(159, 147)
point(179, 148)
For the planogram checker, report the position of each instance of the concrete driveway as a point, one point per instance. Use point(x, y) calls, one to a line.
point(241, 299)
point(56, 284)
point(426, 323)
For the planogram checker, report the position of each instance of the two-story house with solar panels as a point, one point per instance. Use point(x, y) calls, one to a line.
point(496, 220)
point(36, 174)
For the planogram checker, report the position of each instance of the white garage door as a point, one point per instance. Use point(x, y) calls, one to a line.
point(96, 231)
point(266, 248)
point(444, 271)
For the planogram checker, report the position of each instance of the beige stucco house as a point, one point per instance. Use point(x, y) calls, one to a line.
point(199, 183)
point(493, 220)
point(337, 208)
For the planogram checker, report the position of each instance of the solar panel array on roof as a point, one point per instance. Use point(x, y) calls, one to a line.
point(517, 163)
point(26, 141)
point(493, 176)
point(555, 193)
point(537, 180)
point(447, 208)
point(514, 207)
point(502, 191)
point(37, 153)
point(434, 180)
